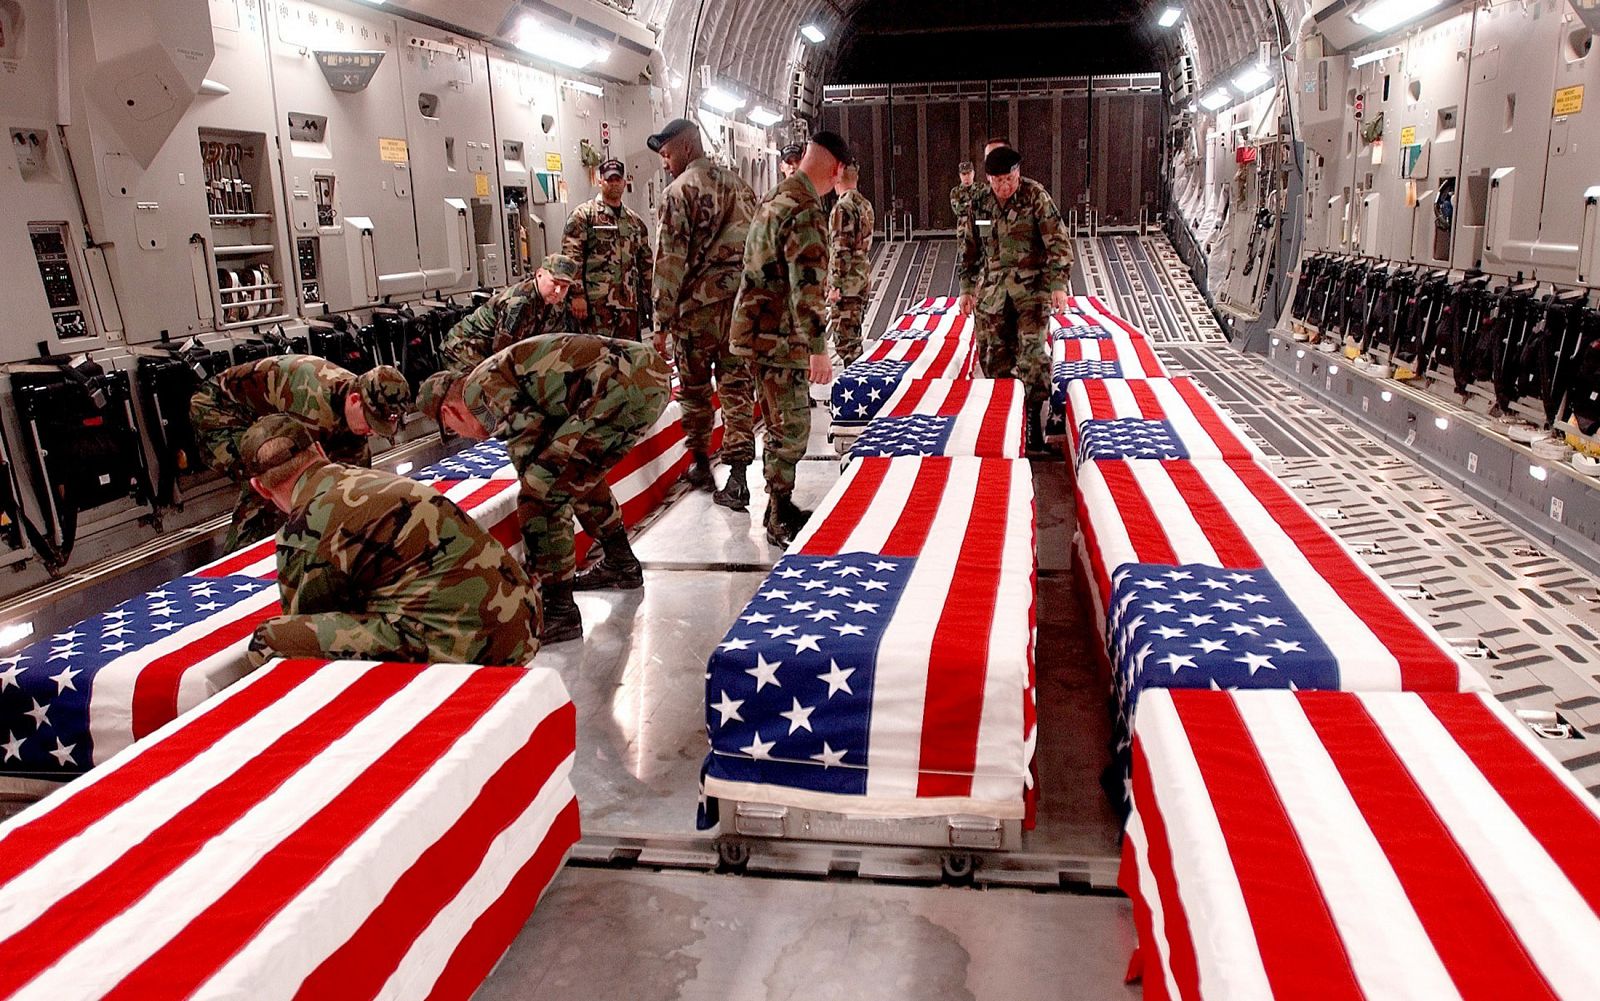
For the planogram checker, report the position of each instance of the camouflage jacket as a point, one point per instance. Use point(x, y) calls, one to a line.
point(962, 196)
point(537, 385)
point(1024, 250)
point(310, 388)
point(779, 318)
point(704, 216)
point(850, 241)
point(515, 313)
point(612, 246)
point(376, 565)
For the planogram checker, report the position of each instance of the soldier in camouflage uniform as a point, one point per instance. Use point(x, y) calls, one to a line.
point(849, 266)
point(342, 409)
point(569, 408)
point(612, 247)
point(378, 567)
point(515, 313)
point(789, 160)
point(1014, 272)
point(962, 195)
point(778, 320)
point(704, 216)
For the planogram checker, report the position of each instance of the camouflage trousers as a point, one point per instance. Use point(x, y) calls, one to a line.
point(609, 321)
point(218, 426)
point(844, 326)
point(563, 477)
point(786, 408)
point(700, 342)
point(1011, 344)
point(511, 639)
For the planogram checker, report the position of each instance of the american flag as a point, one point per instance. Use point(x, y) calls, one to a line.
point(863, 387)
point(886, 665)
point(933, 305)
point(981, 417)
point(321, 830)
point(920, 327)
point(1344, 846)
point(81, 696)
point(1095, 312)
point(1123, 418)
point(482, 460)
point(1066, 326)
point(1118, 357)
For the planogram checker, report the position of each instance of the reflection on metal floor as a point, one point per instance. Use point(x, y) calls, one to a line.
point(603, 935)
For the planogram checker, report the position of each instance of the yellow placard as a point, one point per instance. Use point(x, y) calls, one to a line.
point(482, 185)
point(1408, 135)
point(1569, 100)
point(552, 162)
point(393, 151)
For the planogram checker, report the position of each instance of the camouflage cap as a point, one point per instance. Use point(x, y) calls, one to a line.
point(964, 167)
point(561, 267)
point(386, 396)
point(473, 395)
point(272, 441)
point(431, 394)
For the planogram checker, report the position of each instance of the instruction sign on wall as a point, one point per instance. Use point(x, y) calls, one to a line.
point(1569, 100)
point(393, 151)
point(1408, 135)
point(481, 185)
point(552, 162)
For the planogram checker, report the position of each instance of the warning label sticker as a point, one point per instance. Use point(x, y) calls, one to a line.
point(1569, 100)
point(393, 151)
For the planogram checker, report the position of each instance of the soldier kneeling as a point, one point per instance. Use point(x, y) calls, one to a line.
point(378, 567)
point(569, 406)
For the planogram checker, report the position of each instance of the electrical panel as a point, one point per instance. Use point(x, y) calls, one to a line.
point(52, 254)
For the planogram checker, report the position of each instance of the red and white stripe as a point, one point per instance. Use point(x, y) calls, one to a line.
point(940, 324)
point(988, 413)
point(936, 303)
point(953, 699)
point(935, 357)
point(152, 683)
point(340, 829)
point(1134, 354)
point(1096, 312)
point(1205, 431)
point(1335, 845)
point(1233, 513)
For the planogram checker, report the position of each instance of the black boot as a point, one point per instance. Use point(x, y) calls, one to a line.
point(735, 493)
point(617, 567)
point(783, 520)
point(699, 475)
point(561, 619)
point(1037, 449)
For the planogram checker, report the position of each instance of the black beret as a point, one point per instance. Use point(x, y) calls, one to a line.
point(673, 129)
point(1001, 161)
point(834, 143)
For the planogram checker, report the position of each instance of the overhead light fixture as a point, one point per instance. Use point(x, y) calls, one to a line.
point(584, 88)
point(721, 100)
point(1216, 99)
point(543, 42)
point(1372, 57)
point(1169, 17)
point(1250, 80)
point(813, 34)
point(762, 117)
point(1538, 472)
point(1386, 14)
point(13, 633)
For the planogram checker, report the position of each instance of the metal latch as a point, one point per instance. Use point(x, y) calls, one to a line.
point(975, 832)
point(761, 820)
point(1549, 724)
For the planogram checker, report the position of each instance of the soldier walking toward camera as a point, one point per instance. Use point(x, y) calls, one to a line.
point(1016, 266)
point(517, 312)
point(611, 246)
point(705, 216)
point(569, 408)
point(962, 195)
point(778, 321)
point(379, 567)
point(850, 264)
point(341, 410)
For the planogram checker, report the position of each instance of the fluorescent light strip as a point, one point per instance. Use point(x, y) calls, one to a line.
point(1169, 17)
point(762, 117)
point(1250, 80)
point(813, 34)
point(1216, 99)
point(721, 100)
point(538, 39)
point(1386, 14)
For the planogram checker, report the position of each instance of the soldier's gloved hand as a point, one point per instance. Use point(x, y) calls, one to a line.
point(964, 305)
point(1058, 300)
point(580, 309)
point(821, 370)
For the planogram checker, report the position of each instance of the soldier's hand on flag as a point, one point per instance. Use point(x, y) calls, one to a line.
point(964, 305)
point(821, 370)
point(1058, 300)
